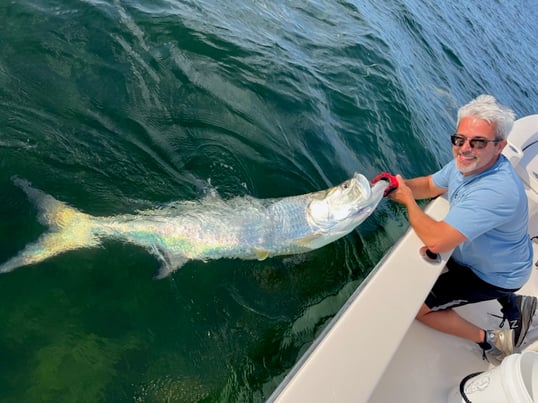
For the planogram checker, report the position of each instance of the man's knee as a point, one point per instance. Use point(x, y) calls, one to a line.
point(423, 311)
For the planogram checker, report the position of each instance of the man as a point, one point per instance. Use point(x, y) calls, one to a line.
point(486, 225)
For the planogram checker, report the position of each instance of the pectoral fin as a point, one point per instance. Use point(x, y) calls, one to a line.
point(261, 254)
point(168, 265)
point(307, 241)
point(165, 269)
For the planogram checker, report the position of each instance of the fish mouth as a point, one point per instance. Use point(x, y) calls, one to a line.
point(370, 200)
point(359, 189)
point(347, 203)
point(378, 191)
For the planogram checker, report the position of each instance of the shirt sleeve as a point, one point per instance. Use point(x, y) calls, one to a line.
point(441, 178)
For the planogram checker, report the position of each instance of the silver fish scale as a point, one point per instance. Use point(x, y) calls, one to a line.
point(289, 224)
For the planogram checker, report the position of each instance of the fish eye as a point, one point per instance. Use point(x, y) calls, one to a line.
point(346, 185)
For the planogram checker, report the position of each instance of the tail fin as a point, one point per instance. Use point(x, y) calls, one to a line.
point(68, 229)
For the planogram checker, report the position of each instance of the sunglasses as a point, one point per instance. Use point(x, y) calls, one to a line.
point(476, 142)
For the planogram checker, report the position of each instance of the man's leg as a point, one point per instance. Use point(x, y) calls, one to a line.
point(519, 311)
point(496, 344)
point(460, 286)
point(448, 321)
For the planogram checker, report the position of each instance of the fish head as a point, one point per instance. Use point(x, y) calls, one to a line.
point(345, 206)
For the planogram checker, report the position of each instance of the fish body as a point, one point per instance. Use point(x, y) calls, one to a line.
point(212, 228)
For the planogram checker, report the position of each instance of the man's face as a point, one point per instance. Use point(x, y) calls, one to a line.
point(469, 160)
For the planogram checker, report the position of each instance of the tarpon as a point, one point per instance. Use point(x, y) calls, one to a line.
point(210, 228)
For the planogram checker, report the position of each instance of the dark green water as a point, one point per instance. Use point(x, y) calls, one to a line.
point(114, 106)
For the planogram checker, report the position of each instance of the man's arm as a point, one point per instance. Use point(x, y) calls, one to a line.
point(422, 187)
point(438, 236)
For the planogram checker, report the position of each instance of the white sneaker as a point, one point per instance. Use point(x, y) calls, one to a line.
point(501, 342)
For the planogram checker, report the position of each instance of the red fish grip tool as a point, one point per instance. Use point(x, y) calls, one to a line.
point(391, 179)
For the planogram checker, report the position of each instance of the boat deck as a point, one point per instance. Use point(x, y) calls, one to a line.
point(441, 361)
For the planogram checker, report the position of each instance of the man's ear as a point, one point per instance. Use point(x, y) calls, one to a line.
point(501, 145)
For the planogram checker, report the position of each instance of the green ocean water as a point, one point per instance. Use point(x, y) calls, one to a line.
point(116, 106)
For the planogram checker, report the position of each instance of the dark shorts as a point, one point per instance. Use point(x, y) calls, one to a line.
point(460, 286)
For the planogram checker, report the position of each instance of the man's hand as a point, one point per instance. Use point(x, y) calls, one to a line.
point(403, 194)
point(438, 236)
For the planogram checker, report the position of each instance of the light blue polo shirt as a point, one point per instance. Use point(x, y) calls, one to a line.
point(490, 209)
